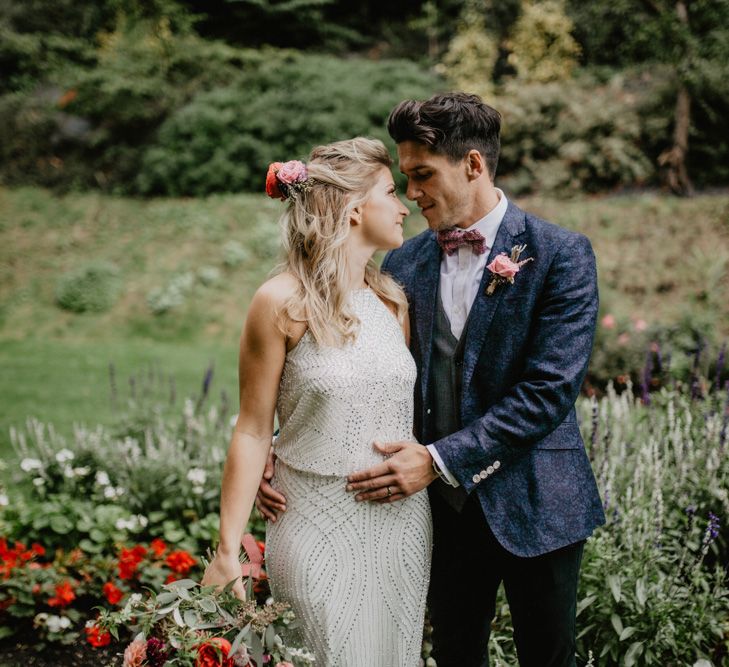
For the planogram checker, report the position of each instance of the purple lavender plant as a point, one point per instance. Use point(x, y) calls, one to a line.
point(720, 367)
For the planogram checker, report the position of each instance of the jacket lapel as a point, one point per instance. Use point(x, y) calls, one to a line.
point(484, 307)
point(425, 294)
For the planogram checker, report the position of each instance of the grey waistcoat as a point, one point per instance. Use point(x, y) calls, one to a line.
point(446, 368)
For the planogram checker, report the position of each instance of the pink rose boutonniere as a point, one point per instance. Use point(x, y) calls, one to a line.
point(505, 268)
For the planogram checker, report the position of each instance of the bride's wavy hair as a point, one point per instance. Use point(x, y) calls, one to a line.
point(315, 227)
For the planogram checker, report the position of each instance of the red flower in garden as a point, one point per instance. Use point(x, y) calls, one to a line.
point(112, 593)
point(96, 637)
point(170, 578)
point(129, 559)
point(37, 549)
point(64, 595)
point(214, 653)
point(180, 562)
point(158, 546)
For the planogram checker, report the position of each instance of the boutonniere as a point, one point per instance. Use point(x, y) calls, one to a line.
point(505, 268)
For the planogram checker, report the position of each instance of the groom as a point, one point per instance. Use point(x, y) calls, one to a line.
point(503, 308)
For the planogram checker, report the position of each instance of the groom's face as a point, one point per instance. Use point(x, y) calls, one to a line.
point(440, 188)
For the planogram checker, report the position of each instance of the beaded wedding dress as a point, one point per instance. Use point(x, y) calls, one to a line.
point(355, 573)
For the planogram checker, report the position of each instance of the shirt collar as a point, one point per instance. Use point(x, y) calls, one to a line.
point(489, 224)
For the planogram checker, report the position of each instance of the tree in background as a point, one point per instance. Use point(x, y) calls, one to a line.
point(691, 39)
point(542, 47)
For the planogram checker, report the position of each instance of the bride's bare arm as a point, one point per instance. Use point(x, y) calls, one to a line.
point(261, 360)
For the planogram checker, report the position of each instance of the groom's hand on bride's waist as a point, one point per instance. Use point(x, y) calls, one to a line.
point(407, 470)
point(269, 502)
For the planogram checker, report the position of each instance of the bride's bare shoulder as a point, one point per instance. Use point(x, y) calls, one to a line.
point(278, 290)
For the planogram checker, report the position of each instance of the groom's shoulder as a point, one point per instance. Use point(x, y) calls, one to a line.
point(403, 259)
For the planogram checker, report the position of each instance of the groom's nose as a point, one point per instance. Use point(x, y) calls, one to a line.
point(413, 191)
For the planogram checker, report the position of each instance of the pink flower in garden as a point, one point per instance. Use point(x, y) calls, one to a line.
point(136, 653)
point(623, 339)
point(640, 325)
point(292, 171)
point(608, 321)
point(503, 266)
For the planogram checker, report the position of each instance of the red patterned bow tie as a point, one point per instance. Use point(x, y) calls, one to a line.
point(452, 239)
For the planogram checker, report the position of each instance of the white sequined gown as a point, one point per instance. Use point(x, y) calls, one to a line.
point(355, 574)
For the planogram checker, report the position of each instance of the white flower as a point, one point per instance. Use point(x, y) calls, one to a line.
point(57, 623)
point(136, 597)
point(122, 524)
point(64, 455)
point(39, 481)
point(109, 492)
point(30, 464)
point(81, 472)
point(142, 520)
point(68, 472)
point(4, 501)
point(102, 479)
point(198, 490)
point(197, 476)
point(119, 491)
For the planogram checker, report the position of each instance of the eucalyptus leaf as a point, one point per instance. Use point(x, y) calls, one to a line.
point(269, 637)
point(166, 597)
point(191, 618)
point(207, 605)
point(178, 617)
point(239, 638)
point(256, 648)
point(185, 584)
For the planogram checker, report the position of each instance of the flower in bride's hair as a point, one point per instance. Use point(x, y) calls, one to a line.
point(292, 172)
point(272, 186)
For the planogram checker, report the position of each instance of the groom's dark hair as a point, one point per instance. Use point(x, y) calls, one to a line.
point(450, 124)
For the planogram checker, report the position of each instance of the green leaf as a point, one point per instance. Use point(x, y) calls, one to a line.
point(207, 605)
point(631, 655)
point(239, 638)
point(61, 524)
point(270, 637)
point(628, 632)
point(178, 617)
point(256, 648)
point(6, 631)
point(584, 603)
point(184, 584)
point(640, 592)
point(617, 623)
point(614, 583)
point(192, 620)
point(165, 598)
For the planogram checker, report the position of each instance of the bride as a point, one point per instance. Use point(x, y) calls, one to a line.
point(324, 346)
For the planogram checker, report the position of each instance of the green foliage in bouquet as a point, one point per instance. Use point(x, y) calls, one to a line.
point(186, 622)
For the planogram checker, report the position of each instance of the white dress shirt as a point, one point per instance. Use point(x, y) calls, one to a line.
point(460, 278)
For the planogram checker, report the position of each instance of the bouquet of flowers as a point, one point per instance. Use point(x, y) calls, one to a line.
point(200, 626)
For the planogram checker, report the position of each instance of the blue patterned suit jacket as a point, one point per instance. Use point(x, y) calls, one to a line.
point(526, 353)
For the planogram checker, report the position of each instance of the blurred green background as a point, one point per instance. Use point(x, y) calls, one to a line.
point(135, 136)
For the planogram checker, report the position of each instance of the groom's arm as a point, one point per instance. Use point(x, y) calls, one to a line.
point(555, 365)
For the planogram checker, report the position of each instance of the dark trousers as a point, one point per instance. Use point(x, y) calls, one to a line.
point(468, 566)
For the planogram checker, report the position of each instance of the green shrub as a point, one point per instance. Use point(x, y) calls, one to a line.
point(91, 288)
point(224, 139)
point(570, 136)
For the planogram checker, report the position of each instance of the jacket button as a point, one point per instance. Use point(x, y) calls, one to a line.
point(490, 470)
point(497, 465)
point(427, 411)
point(483, 474)
point(476, 479)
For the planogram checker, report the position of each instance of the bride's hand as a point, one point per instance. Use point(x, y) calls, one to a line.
point(221, 571)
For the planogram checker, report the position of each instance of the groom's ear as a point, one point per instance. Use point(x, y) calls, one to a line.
point(475, 164)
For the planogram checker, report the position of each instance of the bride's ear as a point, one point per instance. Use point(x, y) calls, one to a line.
point(355, 217)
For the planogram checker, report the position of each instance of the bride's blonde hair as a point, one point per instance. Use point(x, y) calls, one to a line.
point(315, 227)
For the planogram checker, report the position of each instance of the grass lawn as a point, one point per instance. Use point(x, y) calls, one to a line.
point(67, 382)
